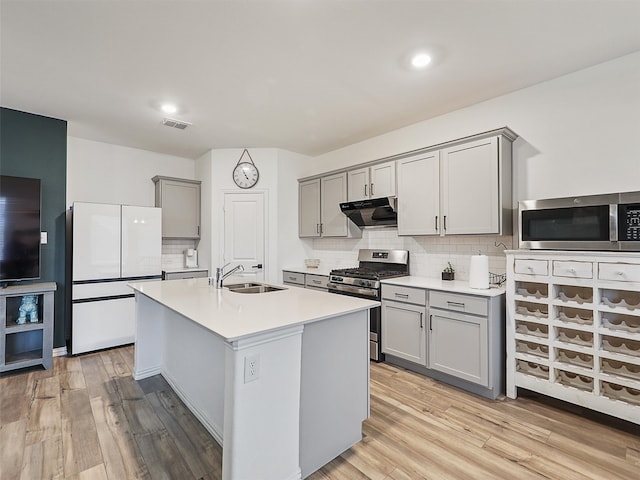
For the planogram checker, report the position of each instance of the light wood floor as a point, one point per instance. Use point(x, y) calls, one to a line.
point(88, 419)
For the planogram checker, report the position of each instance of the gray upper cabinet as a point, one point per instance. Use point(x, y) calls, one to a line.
point(180, 202)
point(319, 213)
point(373, 182)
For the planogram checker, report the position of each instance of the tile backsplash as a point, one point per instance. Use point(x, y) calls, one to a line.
point(428, 255)
point(173, 253)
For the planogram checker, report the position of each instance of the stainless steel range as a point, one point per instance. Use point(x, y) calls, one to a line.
point(364, 282)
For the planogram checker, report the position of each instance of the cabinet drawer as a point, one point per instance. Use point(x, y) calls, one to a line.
point(532, 267)
point(459, 303)
point(293, 277)
point(572, 269)
point(404, 294)
point(316, 281)
point(621, 272)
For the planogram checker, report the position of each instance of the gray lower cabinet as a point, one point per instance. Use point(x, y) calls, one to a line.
point(183, 274)
point(460, 341)
point(295, 279)
point(404, 323)
point(305, 280)
point(26, 326)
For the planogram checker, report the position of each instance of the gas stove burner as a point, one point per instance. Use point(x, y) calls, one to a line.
point(368, 273)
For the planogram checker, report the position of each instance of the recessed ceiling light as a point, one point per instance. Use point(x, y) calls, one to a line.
point(420, 60)
point(169, 108)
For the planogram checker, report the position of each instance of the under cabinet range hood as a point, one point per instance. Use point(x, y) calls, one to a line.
point(374, 212)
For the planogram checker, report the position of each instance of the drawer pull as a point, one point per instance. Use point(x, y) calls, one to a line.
point(572, 270)
point(293, 279)
point(620, 274)
point(402, 295)
point(317, 282)
point(530, 268)
point(455, 304)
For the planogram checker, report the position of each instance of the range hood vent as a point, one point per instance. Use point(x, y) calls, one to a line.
point(375, 212)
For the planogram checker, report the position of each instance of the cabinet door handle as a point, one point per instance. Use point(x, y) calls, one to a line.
point(436, 223)
point(421, 326)
point(317, 228)
point(445, 223)
point(371, 189)
point(430, 323)
point(320, 229)
point(365, 189)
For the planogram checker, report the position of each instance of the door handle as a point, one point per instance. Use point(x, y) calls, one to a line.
point(257, 266)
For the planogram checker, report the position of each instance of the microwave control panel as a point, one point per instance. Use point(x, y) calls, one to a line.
point(629, 222)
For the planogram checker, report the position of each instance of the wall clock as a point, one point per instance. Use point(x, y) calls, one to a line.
point(245, 174)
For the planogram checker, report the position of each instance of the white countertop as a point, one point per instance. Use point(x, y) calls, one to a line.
point(235, 315)
point(456, 286)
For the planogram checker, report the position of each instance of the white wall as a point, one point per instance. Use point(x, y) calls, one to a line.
point(105, 173)
point(578, 135)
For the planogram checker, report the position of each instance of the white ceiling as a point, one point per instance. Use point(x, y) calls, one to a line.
point(308, 76)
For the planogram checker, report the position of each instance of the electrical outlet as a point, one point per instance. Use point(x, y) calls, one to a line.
point(251, 368)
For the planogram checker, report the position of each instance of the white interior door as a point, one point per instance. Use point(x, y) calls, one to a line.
point(244, 236)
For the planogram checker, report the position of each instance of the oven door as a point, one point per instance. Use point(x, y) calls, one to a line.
point(569, 224)
point(375, 314)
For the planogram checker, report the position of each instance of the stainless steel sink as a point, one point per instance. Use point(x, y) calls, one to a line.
point(253, 288)
point(243, 285)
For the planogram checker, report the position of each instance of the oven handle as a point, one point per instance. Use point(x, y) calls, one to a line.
point(351, 289)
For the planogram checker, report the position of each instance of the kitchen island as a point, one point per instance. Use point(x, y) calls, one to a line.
point(280, 379)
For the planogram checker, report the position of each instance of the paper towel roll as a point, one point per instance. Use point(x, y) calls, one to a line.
point(479, 272)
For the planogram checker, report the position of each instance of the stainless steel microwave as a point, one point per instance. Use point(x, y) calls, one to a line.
point(595, 222)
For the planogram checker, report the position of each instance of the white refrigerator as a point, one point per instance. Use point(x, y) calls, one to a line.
point(112, 246)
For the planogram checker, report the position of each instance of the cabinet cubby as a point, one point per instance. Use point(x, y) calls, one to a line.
point(532, 368)
point(575, 337)
point(621, 299)
point(620, 322)
point(26, 326)
point(574, 294)
point(621, 369)
point(535, 310)
point(533, 329)
point(579, 316)
point(574, 358)
point(575, 380)
point(532, 348)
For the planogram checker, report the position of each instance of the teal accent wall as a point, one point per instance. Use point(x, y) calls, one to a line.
point(36, 146)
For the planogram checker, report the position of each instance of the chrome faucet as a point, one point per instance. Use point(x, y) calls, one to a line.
point(220, 275)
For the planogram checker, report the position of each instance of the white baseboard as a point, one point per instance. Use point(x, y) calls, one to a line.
point(60, 352)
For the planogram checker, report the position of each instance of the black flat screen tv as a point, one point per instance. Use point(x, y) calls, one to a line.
point(19, 228)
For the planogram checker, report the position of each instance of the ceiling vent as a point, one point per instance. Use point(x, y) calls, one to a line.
point(172, 122)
